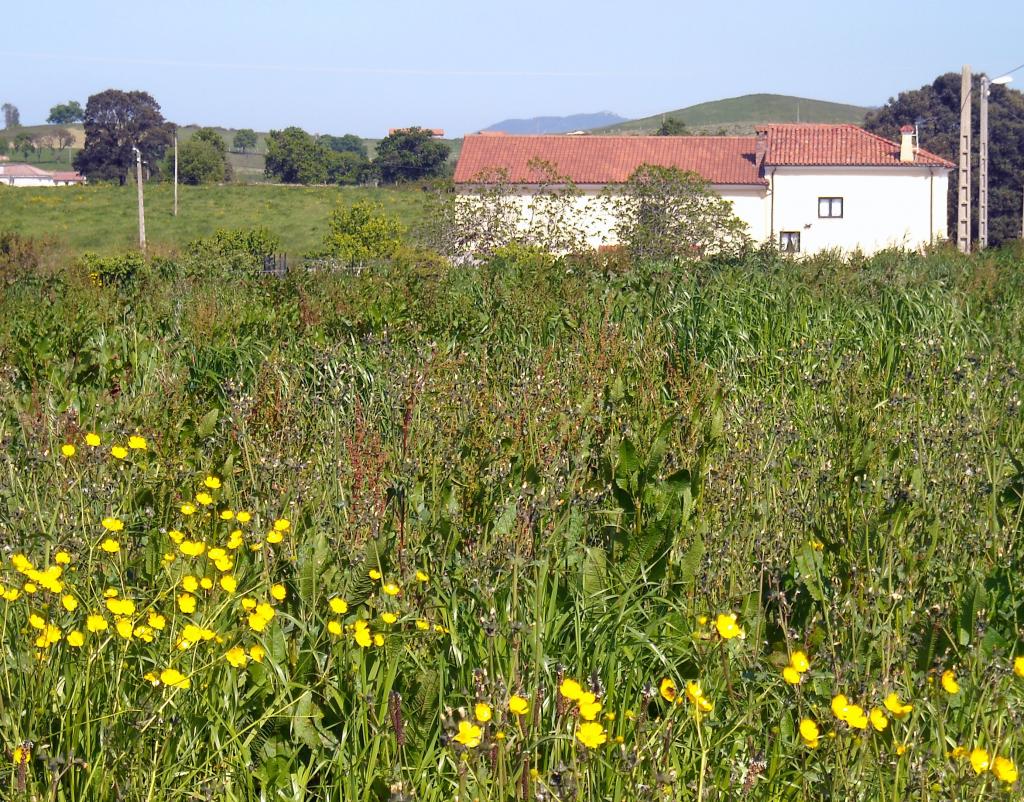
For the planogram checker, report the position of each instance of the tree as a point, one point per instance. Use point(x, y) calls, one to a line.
point(296, 157)
point(202, 159)
point(12, 118)
point(666, 214)
point(349, 143)
point(65, 113)
point(671, 126)
point(64, 139)
point(115, 122)
point(347, 168)
point(24, 143)
point(359, 234)
point(935, 109)
point(408, 155)
point(244, 138)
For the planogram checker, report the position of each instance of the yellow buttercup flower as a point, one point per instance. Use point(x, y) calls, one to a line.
point(696, 696)
point(878, 719)
point(840, 704)
point(800, 662)
point(121, 606)
point(391, 589)
point(339, 606)
point(388, 618)
point(192, 548)
point(62, 558)
point(236, 657)
point(791, 675)
point(248, 604)
point(95, 623)
point(187, 603)
point(112, 524)
point(204, 498)
point(188, 508)
point(667, 689)
point(227, 515)
point(1018, 666)
point(174, 678)
point(36, 621)
point(21, 754)
point(119, 452)
point(243, 517)
point(374, 574)
point(124, 628)
point(229, 583)
point(274, 537)
point(206, 583)
point(70, 603)
point(257, 653)
point(282, 525)
point(279, 592)
point(361, 633)
point(727, 627)
point(589, 707)
point(980, 760)
point(422, 624)
point(469, 734)
point(422, 576)
point(68, 450)
point(136, 442)
point(518, 705)
point(190, 583)
point(92, 439)
point(1004, 769)
point(235, 539)
point(157, 621)
point(810, 733)
point(75, 638)
point(261, 616)
point(483, 712)
point(110, 546)
point(212, 482)
point(949, 682)
point(570, 689)
point(591, 734)
point(378, 639)
point(896, 707)
point(334, 627)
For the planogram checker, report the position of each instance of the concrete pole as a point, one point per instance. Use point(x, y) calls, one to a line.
point(175, 173)
point(142, 203)
point(963, 213)
point(983, 166)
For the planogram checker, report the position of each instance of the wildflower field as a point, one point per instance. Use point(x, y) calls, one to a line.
point(534, 530)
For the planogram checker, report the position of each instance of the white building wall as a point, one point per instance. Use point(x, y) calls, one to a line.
point(882, 207)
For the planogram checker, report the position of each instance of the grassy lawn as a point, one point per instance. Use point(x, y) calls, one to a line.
point(103, 218)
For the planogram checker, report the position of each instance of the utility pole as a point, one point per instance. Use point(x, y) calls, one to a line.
point(142, 204)
point(175, 172)
point(983, 166)
point(963, 213)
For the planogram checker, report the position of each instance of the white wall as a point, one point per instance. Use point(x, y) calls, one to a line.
point(24, 181)
point(882, 207)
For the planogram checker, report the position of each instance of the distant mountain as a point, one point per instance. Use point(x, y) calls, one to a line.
point(557, 125)
point(739, 115)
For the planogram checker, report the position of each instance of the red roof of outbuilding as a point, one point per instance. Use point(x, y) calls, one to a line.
point(68, 176)
point(719, 159)
point(607, 159)
point(822, 144)
point(14, 170)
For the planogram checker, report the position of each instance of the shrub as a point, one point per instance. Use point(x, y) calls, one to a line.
point(237, 249)
point(118, 271)
point(360, 234)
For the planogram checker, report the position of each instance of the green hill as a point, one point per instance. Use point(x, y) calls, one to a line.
point(739, 115)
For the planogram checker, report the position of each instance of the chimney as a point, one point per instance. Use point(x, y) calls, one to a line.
point(907, 145)
point(761, 147)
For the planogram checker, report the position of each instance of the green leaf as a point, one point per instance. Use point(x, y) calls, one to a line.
point(207, 424)
point(690, 564)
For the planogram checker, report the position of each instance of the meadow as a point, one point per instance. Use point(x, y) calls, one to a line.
point(539, 529)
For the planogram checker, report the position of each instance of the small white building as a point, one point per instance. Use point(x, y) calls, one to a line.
point(25, 175)
point(807, 187)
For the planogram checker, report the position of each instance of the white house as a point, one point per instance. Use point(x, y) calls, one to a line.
point(807, 187)
point(25, 175)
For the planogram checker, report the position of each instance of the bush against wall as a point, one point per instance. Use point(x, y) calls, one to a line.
point(359, 234)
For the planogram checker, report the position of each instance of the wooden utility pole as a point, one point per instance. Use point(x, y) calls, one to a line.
point(175, 172)
point(963, 208)
point(983, 166)
point(142, 203)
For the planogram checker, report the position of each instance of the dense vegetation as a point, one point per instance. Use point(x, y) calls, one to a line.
point(536, 529)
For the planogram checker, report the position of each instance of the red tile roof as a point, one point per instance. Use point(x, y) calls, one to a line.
point(68, 176)
point(14, 170)
point(719, 159)
point(817, 144)
point(608, 159)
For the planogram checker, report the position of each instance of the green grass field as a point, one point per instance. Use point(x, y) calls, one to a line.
point(104, 218)
point(534, 529)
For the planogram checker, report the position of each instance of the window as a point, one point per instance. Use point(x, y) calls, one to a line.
point(830, 207)
point(789, 241)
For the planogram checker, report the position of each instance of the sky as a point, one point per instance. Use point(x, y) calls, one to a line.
point(345, 67)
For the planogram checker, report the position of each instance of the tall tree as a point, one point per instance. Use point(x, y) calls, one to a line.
point(410, 154)
point(202, 158)
point(244, 138)
point(25, 144)
point(672, 126)
point(66, 113)
point(935, 109)
point(296, 157)
point(349, 143)
point(12, 118)
point(115, 122)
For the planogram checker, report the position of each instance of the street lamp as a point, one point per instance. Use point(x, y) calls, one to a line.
point(983, 156)
point(142, 205)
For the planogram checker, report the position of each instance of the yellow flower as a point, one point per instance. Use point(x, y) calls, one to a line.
point(187, 603)
point(248, 604)
point(227, 515)
point(589, 706)
point(840, 704)
point(235, 539)
point(1018, 666)
point(70, 603)
point(36, 621)
point(878, 719)
point(949, 682)
point(422, 624)
point(188, 508)
point(518, 705)
point(901, 749)
point(282, 525)
point(896, 707)
point(1004, 769)
point(124, 628)
point(204, 498)
point(483, 712)
point(21, 754)
point(229, 583)
point(121, 606)
point(75, 638)
point(113, 524)
point(67, 450)
point(30, 587)
point(422, 576)
point(216, 554)
point(62, 558)
point(791, 675)
point(92, 439)
point(192, 548)
point(727, 626)
point(224, 564)
point(668, 690)
point(696, 696)
point(591, 734)
point(391, 589)
point(374, 574)
point(257, 653)
point(856, 717)
point(810, 733)
point(274, 537)
point(190, 583)
point(278, 591)
point(979, 760)
point(361, 633)
point(258, 619)
point(702, 620)
point(95, 623)
point(144, 633)
point(110, 546)
point(236, 656)
point(212, 482)
point(174, 678)
point(469, 734)
point(334, 627)
point(570, 689)
point(137, 442)
point(119, 452)
point(800, 662)
point(157, 621)
point(206, 583)
point(243, 517)
point(339, 606)
point(388, 618)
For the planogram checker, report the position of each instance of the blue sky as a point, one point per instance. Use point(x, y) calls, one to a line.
point(337, 67)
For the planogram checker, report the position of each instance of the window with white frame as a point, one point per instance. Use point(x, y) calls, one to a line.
point(830, 207)
point(789, 241)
